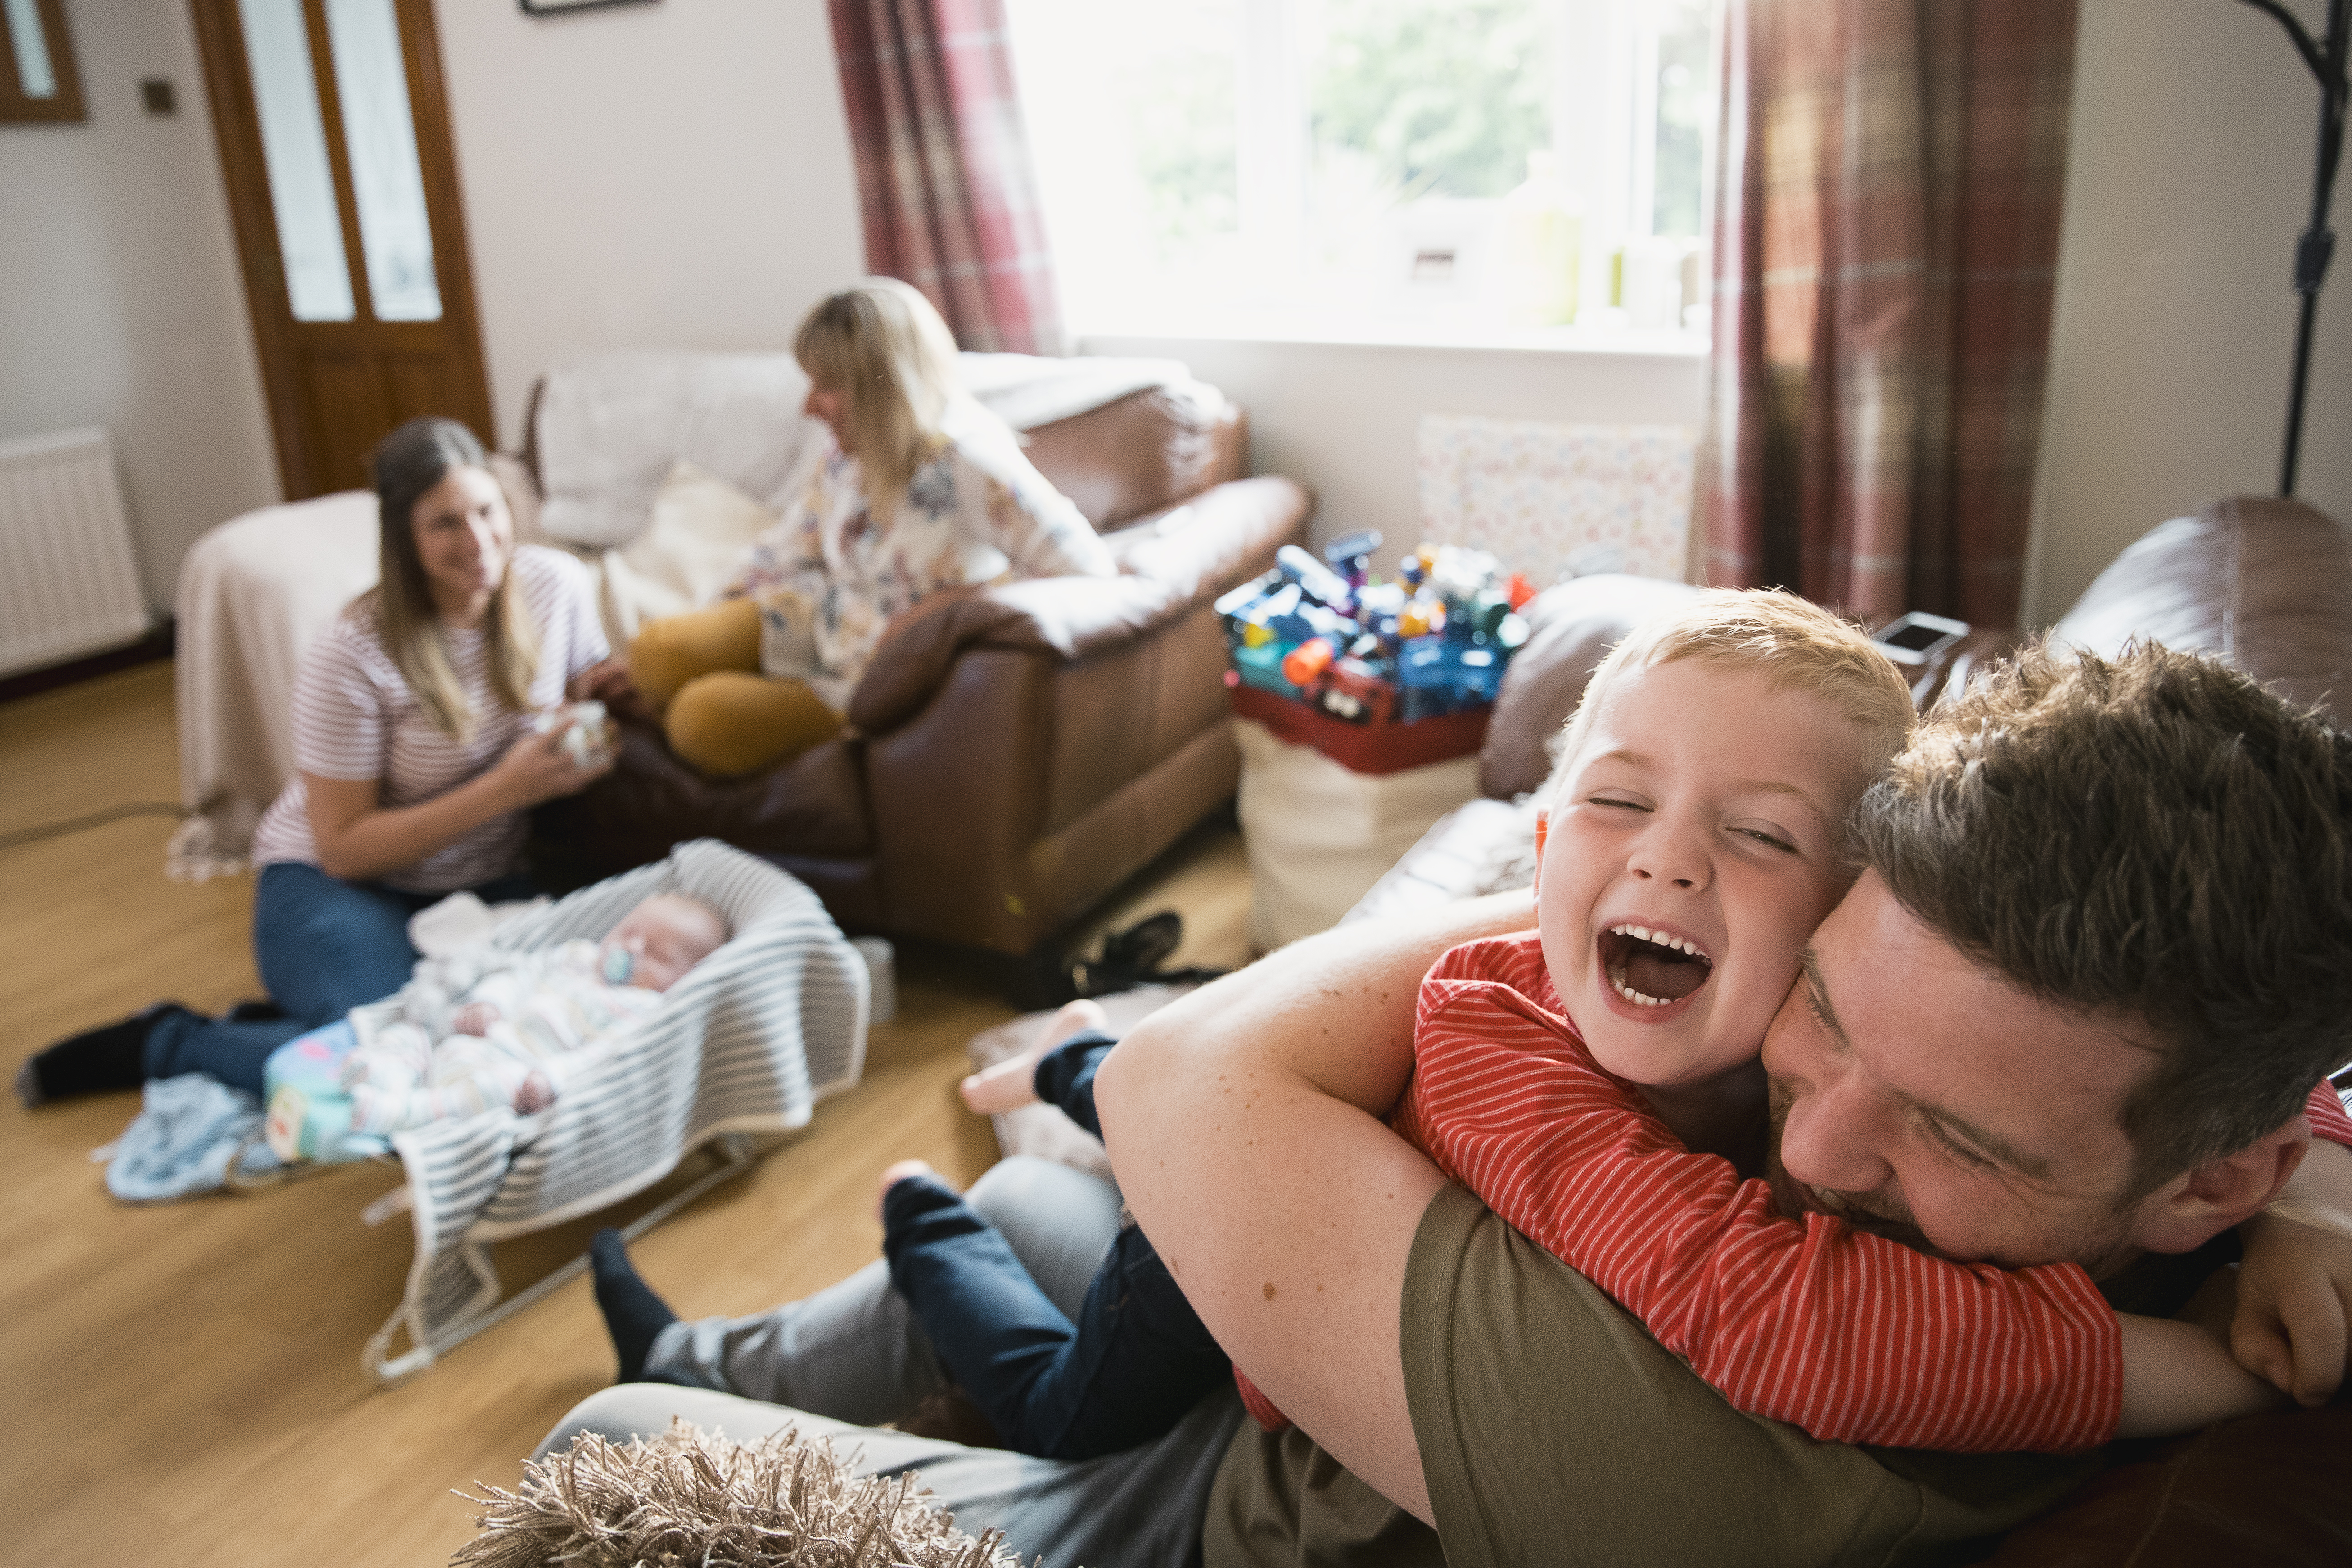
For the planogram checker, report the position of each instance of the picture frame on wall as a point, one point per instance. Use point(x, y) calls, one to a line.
point(562, 7)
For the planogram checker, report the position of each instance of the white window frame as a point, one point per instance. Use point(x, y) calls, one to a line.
point(1604, 106)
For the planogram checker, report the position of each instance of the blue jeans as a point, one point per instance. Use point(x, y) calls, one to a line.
point(323, 946)
point(1135, 1362)
point(855, 1353)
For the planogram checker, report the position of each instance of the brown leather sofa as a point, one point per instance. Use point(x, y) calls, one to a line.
point(1012, 753)
point(2265, 585)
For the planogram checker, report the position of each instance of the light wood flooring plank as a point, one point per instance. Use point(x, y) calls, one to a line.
point(183, 1381)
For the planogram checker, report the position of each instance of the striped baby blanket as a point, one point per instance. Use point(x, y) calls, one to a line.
point(747, 1042)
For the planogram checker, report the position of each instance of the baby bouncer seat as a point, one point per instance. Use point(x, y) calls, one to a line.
point(747, 1042)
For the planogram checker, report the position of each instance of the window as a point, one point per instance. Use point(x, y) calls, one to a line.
point(1433, 170)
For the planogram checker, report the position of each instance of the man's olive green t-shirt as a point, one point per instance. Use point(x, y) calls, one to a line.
point(1554, 1429)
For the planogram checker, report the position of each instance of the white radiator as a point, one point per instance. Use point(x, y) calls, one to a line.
point(68, 582)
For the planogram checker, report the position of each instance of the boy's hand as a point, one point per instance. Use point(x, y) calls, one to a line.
point(2294, 1287)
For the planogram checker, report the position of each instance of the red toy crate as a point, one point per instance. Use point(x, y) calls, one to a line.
point(1363, 748)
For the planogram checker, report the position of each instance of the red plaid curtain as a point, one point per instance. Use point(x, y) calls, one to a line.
point(1886, 240)
point(943, 174)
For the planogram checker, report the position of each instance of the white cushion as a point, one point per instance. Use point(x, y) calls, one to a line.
point(609, 426)
point(701, 527)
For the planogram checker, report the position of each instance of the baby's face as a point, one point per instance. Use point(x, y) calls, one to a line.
point(659, 940)
point(1687, 860)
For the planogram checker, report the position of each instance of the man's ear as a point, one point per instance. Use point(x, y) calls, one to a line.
point(2192, 1208)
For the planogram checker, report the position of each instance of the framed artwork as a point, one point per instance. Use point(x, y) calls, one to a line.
point(39, 83)
point(558, 8)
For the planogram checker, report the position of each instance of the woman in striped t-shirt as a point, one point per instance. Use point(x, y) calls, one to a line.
point(414, 763)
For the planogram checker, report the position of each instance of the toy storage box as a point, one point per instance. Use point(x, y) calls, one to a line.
point(1319, 834)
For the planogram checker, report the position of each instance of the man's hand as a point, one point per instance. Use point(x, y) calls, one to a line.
point(2294, 1287)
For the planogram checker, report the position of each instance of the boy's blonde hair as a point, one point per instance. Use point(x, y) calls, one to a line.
point(1793, 643)
point(882, 347)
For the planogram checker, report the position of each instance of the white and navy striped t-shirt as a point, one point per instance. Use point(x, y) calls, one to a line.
point(356, 718)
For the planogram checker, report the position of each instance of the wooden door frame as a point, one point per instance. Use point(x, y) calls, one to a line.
point(237, 131)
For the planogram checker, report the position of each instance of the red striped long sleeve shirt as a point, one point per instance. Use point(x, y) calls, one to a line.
point(1846, 1334)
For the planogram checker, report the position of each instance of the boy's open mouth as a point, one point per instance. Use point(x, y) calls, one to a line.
point(1651, 968)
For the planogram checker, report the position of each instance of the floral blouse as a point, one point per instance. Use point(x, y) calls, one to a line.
point(827, 579)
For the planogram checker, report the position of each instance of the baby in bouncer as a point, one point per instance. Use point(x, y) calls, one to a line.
point(480, 1027)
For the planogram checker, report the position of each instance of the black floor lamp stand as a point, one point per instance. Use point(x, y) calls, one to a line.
point(2326, 56)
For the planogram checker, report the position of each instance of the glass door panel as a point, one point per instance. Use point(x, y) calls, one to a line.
point(294, 151)
point(335, 149)
point(34, 76)
point(380, 139)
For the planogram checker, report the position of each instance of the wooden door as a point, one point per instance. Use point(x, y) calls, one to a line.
point(334, 145)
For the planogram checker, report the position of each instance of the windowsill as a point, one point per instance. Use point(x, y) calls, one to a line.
point(1271, 327)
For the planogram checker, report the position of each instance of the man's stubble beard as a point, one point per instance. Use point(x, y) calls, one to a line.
point(2100, 1251)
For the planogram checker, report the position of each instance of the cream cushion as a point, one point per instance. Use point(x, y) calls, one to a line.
point(609, 426)
point(252, 594)
point(700, 528)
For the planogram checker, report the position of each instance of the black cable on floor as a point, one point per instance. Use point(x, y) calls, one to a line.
point(95, 819)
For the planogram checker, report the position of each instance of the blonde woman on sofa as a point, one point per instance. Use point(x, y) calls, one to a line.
point(416, 760)
point(924, 492)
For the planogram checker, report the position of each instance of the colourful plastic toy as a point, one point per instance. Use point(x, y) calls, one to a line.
point(1308, 661)
point(309, 1115)
point(1433, 642)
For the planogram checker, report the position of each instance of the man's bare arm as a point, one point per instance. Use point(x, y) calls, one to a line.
point(1244, 1127)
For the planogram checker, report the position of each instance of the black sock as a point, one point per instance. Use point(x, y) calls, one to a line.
point(1065, 1077)
point(111, 1056)
point(633, 1313)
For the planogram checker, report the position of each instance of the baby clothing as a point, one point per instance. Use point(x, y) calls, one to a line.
point(480, 1028)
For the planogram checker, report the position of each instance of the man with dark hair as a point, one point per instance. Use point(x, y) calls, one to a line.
point(2141, 865)
point(2068, 1013)
point(2153, 840)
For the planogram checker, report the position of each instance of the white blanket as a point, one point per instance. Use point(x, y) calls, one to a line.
point(253, 593)
point(749, 1041)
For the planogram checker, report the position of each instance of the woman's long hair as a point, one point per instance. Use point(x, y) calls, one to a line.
point(412, 460)
point(885, 350)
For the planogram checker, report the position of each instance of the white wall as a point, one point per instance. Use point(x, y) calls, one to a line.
point(658, 176)
point(2189, 175)
point(119, 298)
point(672, 175)
point(1344, 418)
point(680, 175)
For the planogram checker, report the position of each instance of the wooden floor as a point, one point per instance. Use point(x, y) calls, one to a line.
point(183, 1383)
